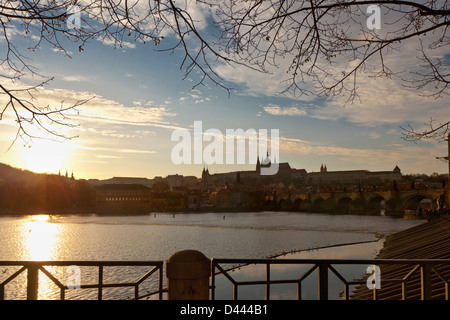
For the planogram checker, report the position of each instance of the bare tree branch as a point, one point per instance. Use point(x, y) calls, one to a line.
point(324, 46)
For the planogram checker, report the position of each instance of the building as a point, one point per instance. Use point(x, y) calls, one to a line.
point(284, 173)
point(325, 177)
point(287, 175)
point(123, 198)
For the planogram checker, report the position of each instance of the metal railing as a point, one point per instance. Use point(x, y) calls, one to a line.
point(423, 272)
point(426, 267)
point(34, 267)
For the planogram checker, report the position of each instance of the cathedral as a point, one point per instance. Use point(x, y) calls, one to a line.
point(285, 173)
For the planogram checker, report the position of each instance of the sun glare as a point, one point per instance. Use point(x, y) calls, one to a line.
point(46, 156)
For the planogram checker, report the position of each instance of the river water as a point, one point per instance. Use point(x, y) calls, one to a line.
point(158, 236)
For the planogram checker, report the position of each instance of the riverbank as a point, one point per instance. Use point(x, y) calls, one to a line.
point(83, 211)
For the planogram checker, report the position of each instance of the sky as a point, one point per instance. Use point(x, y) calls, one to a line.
point(138, 98)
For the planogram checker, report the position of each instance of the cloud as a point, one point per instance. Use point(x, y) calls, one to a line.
point(405, 155)
point(284, 111)
point(99, 116)
point(76, 78)
point(383, 101)
point(117, 44)
point(116, 150)
point(102, 110)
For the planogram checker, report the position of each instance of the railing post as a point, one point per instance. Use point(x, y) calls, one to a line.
point(32, 281)
point(425, 273)
point(267, 281)
point(100, 282)
point(188, 273)
point(323, 281)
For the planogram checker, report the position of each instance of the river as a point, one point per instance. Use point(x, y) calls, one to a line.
point(156, 236)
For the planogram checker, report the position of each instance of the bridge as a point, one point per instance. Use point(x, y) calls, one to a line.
point(358, 202)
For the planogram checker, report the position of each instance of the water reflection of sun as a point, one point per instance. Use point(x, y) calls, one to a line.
point(40, 238)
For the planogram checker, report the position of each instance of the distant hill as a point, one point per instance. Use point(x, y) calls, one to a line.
point(24, 191)
point(13, 175)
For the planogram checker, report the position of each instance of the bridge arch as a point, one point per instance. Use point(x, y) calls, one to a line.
point(319, 205)
point(285, 204)
point(343, 205)
point(301, 205)
point(417, 200)
point(374, 204)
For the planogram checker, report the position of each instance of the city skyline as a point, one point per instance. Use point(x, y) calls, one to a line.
point(137, 97)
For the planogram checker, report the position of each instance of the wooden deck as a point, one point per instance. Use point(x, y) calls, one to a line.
point(430, 240)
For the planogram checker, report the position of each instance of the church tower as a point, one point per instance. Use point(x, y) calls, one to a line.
point(258, 166)
point(205, 174)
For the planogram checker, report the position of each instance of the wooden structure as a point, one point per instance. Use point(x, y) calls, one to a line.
point(430, 240)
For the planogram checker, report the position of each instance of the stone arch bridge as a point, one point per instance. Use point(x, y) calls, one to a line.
point(356, 202)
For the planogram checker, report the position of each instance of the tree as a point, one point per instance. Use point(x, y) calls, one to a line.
point(324, 46)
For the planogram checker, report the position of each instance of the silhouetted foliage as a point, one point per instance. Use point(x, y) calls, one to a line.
point(24, 191)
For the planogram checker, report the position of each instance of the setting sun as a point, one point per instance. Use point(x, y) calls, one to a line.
point(46, 156)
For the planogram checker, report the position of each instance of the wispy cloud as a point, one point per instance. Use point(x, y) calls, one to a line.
point(76, 78)
point(276, 110)
point(418, 156)
point(117, 44)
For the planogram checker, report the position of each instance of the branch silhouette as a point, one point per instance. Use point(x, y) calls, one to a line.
point(323, 46)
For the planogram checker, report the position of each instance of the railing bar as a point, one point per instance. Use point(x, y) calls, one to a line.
point(307, 273)
point(51, 277)
point(249, 283)
point(333, 261)
point(15, 274)
point(106, 285)
point(160, 282)
point(136, 291)
point(83, 263)
point(213, 280)
point(439, 275)
point(148, 274)
point(411, 272)
point(150, 294)
point(259, 282)
point(404, 293)
point(226, 274)
point(338, 274)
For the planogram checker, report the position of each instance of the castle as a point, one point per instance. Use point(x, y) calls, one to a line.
point(287, 174)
